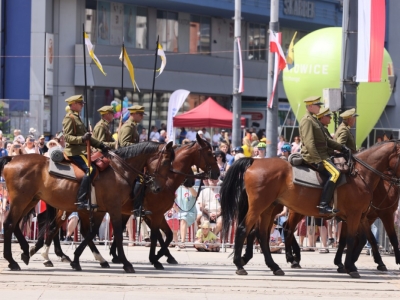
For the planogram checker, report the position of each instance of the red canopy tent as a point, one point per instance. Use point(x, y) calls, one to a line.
point(207, 114)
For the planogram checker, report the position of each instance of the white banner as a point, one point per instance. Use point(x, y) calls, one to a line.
point(175, 102)
point(49, 65)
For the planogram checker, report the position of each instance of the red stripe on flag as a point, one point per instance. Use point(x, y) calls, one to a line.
point(378, 22)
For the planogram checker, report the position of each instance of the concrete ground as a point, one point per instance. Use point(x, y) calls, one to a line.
point(197, 276)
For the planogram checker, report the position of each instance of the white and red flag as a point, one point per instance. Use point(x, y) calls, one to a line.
point(371, 38)
point(280, 60)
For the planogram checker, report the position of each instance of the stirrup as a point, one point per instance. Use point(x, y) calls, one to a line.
point(143, 213)
point(85, 205)
point(323, 210)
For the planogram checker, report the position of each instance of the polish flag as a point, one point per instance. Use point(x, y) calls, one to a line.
point(371, 38)
point(280, 60)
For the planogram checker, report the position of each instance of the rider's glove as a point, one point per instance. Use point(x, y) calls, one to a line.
point(86, 136)
point(345, 150)
point(104, 148)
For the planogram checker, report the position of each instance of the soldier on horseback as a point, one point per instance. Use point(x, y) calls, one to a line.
point(76, 135)
point(314, 150)
point(101, 131)
point(343, 134)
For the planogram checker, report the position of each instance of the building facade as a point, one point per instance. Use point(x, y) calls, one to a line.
point(42, 59)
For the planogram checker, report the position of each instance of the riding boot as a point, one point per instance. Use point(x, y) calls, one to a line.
point(138, 197)
point(326, 198)
point(83, 202)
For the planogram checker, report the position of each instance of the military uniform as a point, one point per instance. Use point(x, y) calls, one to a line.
point(102, 131)
point(325, 112)
point(128, 134)
point(343, 134)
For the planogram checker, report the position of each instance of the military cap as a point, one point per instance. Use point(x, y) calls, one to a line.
point(325, 111)
point(349, 113)
point(313, 100)
point(73, 99)
point(136, 109)
point(106, 109)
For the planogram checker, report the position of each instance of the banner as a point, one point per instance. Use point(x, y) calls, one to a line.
point(241, 85)
point(280, 61)
point(129, 66)
point(175, 102)
point(89, 46)
point(49, 65)
point(160, 52)
point(116, 23)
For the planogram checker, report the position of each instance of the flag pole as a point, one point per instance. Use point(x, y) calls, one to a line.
point(122, 74)
point(152, 90)
point(87, 125)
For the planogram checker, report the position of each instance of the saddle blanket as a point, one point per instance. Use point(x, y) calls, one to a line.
point(307, 177)
point(62, 169)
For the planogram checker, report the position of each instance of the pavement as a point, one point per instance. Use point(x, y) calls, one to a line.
point(197, 276)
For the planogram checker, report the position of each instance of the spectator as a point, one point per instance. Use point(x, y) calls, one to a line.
point(221, 162)
point(163, 136)
point(296, 145)
point(182, 135)
point(72, 223)
point(302, 231)
point(42, 146)
point(275, 239)
point(206, 240)
point(224, 148)
point(52, 145)
point(173, 222)
point(286, 151)
point(60, 138)
point(216, 138)
point(201, 134)
point(154, 133)
point(18, 136)
point(254, 140)
point(3, 152)
point(262, 150)
point(312, 234)
point(16, 149)
point(103, 229)
point(185, 199)
point(191, 135)
point(31, 146)
point(206, 135)
point(247, 149)
point(378, 139)
point(143, 135)
point(281, 142)
point(235, 151)
point(32, 131)
point(163, 127)
point(210, 204)
point(222, 137)
point(185, 141)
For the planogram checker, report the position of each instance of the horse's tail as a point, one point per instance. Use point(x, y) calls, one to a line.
point(233, 195)
point(3, 161)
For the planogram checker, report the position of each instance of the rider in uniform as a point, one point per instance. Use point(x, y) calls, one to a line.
point(101, 131)
point(128, 135)
point(343, 134)
point(76, 135)
point(314, 150)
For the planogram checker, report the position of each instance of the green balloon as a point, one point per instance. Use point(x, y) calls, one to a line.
point(317, 60)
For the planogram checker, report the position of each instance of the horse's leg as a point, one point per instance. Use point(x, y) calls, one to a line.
point(164, 250)
point(41, 220)
point(352, 226)
point(248, 254)
point(97, 255)
point(113, 248)
point(339, 253)
point(292, 249)
point(388, 222)
point(23, 243)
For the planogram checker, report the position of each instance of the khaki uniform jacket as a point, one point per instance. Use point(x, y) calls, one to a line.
point(328, 135)
point(102, 133)
point(344, 136)
point(74, 129)
point(315, 143)
point(128, 134)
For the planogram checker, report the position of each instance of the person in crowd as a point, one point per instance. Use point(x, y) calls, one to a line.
point(254, 140)
point(262, 150)
point(163, 137)
point(216, 138)
point(30, 145)
point(222, 164)
point(182, 135)
point(186, 141)
point(191, 134)
point(206, 240)
point(18, 136)
point(162, 127)
point(235, 151)
point(316, 227)
point(3, 151)
point(103, 229)
point(206, 135)
point(275, 242)
point(343, 134)
point(227, 138)
point(296, 145)
point(154, 134)
point(32, 131)
point(224, 147)
point(143, 135)
point(222, 137)
point(286, 151)
point(201, 134)
point(281, 142)
point(50, 146)
point(16, 149)
point(101, 131)
point(210, 204)
point(171, 216)
point(378, 139)
point(42, 145)
point(246, 145)
point(73, 220)
point(302, 231)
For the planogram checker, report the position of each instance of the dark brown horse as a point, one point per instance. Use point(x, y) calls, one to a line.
point(252, 186)
point(28, 180)
point(198, 154)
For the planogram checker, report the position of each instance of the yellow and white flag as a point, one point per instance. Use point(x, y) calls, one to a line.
point(89, 46)
point(290, 53)
point(160, 52)
point(129, 66)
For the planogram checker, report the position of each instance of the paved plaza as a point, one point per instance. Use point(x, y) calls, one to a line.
point(198, 276)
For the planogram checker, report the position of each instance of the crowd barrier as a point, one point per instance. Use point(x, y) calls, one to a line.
point(208, 199)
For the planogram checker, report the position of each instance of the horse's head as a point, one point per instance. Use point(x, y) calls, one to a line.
point(159, 166)
point(206, 160)
point(394, 159)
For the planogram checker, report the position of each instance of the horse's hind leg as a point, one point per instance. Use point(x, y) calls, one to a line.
point(374, 247)
point(41, 220)
point(292, 249)
point(339, 253)
point(165, 244)
point(248, 254)
point(388, 222)
point(23, 243)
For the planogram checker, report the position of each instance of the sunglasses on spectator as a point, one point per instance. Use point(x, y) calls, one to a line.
point(31, 140)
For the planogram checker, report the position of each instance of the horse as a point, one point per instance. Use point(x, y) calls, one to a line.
point(252, 186)
point(28, 181)
point(197, 153)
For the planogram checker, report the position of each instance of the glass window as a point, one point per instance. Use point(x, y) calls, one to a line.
point(256, 38)
point(167, 30)
point(200, 32)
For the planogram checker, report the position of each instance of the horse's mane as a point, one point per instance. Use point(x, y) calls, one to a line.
point(189, 145)
point(376, 145)
point(137, 149)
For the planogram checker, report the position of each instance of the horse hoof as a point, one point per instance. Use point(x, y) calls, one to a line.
point(295, 265)
point(76, 266)
point(115, 260)
point(129, 269)
point(382, 268)
point(14, 266)
point(25, 258)
point(354, 274)
point(279, 272)
point(341, 270)
point(48, 264)
point(65, 259)
point(172, 261)
point(241, 272)
point(104, 265)
point(158, 266)
point(32, 251)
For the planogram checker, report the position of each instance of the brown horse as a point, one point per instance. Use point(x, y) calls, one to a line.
point(198, 154)
point(28, 180)
point(268, 181)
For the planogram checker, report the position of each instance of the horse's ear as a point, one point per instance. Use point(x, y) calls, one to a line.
point(169, 145)
point(199, 139)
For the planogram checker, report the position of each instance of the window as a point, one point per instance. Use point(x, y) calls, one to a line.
point(256, 38)
point(167, 30)
point(200, 32)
